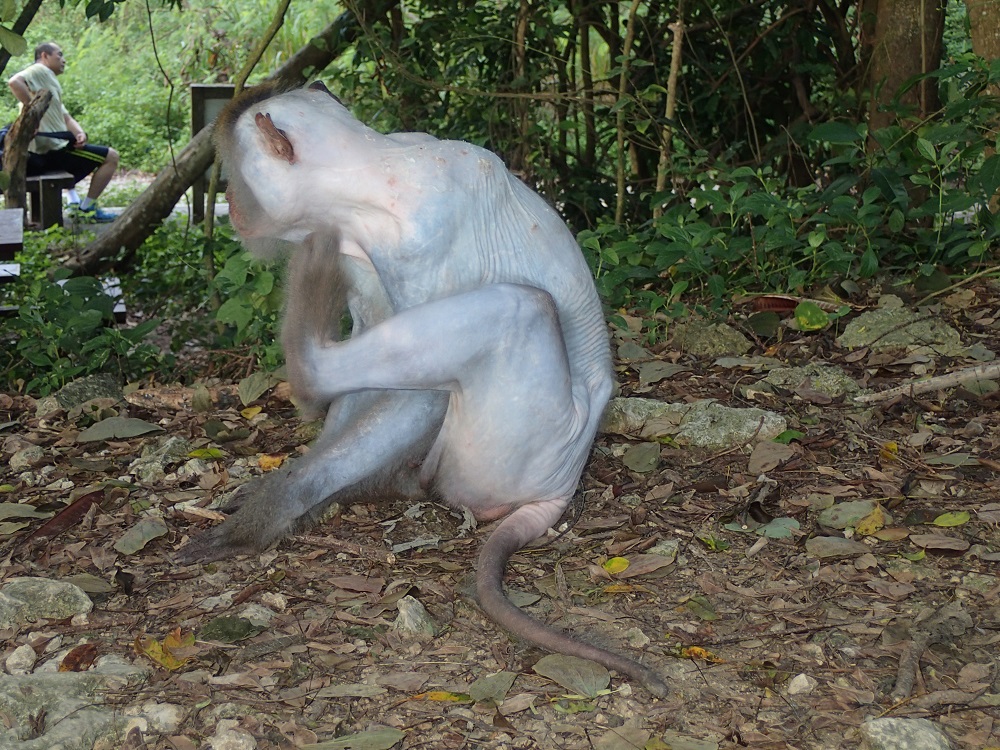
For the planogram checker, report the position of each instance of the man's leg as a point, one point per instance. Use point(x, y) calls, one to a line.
point(102, 175)
point(100, 162)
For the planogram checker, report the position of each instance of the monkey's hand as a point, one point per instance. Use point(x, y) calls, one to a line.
point(316, 292)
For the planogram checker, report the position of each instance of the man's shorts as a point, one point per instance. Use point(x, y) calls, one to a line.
point(79, 162)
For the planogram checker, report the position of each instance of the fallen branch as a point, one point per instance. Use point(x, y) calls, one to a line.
point(979, 372)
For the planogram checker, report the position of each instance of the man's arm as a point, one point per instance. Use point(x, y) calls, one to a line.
point(20, 89)
point(74, 127)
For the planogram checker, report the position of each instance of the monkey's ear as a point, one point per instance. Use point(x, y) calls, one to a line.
point(275, 137)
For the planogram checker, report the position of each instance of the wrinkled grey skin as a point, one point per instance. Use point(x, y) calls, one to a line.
point(478, 367)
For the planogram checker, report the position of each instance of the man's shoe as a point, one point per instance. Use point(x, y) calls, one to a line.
point(93, 213)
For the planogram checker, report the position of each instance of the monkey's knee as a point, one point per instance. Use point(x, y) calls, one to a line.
point(515, 309)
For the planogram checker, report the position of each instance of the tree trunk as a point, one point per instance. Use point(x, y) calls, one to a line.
point(984, 28)
point(903, 41)
point(147, 212)
point(15, 152)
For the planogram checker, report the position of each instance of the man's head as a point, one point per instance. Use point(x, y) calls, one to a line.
point(50, 55)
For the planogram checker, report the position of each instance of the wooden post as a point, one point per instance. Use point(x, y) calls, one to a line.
point(15, 152)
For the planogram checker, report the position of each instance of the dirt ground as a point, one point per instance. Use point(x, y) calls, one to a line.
point(765, 643)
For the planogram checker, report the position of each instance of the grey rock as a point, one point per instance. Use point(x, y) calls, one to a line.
point(701, 338)
point(88, 388)
point(702, 424)
point(163, 718)
point(822, 378)
point(151, 466)
point(802, 684)
point(70, 702)
point(228, 737)
point(21, 660)
point(414, 618)
point(27, 457)
point(24, 600)
point(903, 734)
point(899, 328)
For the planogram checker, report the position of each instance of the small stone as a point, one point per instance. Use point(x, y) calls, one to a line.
point(165, 718)
point(636, 638)
point(802, 684)
point(274, 600)
point(28, 599)
point(27, 458)
point(814, 651)
point(21, 660)
point(257, 614)
point(414, 618)
point(232, 739)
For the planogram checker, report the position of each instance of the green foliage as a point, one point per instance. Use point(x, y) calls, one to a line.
point(125, 95)
point(62, 331)
point(171, 279)
point(759, 198)
point(252, 306)
point(902, 200)
point(65, 330)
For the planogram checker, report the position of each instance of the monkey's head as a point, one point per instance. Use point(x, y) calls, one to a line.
point(292, 156)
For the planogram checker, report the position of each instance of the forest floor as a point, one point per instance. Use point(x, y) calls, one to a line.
point(765, 640)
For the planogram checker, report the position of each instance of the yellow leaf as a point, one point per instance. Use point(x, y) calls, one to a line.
point(623, 588)
point(172, 653)
point(871, 523)
point(443, 695)
point(271, 461)
point(889, 451)
point(251, 411)
point(177, 639)
point(697, 652)
point(615, 565)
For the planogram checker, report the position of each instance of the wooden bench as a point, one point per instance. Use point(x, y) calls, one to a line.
point(11, 242)
point(11, 232)
point(46, 197)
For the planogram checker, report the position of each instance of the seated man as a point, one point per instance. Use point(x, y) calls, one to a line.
point(76, 156)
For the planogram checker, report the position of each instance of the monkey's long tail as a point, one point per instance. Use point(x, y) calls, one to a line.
point(507, 539)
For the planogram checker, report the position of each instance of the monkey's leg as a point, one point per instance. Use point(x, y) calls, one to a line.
point(376, 450)
point(518, 427)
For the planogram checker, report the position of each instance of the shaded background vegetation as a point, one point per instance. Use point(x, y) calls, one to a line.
point(800, 143)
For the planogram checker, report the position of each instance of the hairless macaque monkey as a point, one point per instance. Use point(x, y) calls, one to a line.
point(478, 367)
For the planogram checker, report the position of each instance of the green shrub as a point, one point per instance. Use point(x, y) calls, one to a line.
point(251, 309)
point(63, 331)
point(904, 200)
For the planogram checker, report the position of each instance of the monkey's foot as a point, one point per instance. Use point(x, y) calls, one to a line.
point(255, 526)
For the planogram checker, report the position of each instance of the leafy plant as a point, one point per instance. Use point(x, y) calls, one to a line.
point(252, 307)
point(896, 200)
point(63, 331)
